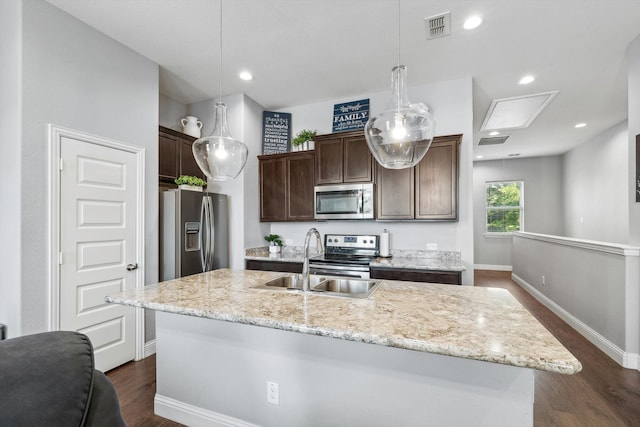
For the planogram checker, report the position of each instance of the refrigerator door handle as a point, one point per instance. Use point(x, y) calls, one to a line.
point(212, 235)
point(208, 256)
point(203, 214)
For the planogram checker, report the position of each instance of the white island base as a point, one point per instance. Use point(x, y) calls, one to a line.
point(215, 373)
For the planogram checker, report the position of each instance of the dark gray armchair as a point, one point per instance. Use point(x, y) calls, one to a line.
point(49, 379)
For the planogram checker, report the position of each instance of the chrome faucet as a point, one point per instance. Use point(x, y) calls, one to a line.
point(305, 264)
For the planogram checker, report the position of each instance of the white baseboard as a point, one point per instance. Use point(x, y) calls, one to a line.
point(626, 360)
point(194, 416)
point(149, 348)
point(492, 267)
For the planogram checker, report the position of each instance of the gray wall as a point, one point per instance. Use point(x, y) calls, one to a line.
point(589, 284)
point(170, 112)
point(596, 188)
point(254, 230)
point(633, 61)
point(10, 164)
point(76, 77)
point(543, 208)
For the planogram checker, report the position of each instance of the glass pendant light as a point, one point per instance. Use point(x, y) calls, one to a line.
point(220, 156)
point(400, 136)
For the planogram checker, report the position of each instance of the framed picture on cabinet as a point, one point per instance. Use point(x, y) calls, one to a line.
point(276, 132)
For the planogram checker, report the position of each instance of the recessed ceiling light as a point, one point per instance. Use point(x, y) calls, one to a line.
point(245, 75)
point(580, 125)
point(494, 133)
point(479, 157)
point(526, 80)
point(472, 22)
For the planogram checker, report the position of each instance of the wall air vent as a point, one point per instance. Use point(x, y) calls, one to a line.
point(438, 25)
point(493, 140)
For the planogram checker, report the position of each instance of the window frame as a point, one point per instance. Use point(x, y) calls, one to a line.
point(503, 234)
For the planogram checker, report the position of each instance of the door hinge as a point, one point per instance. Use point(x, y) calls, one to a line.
point(61, 164)
point(60, 258)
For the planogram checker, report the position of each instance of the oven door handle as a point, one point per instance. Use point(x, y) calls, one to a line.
point(339, 273)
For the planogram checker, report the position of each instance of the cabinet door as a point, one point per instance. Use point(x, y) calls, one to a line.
point(358, 161)
point(188, 164)
point(437, 181)
point(287, 267)
point(273, 179)
point(328, 160)
point(395, 193)
point(168, 158)
point(446, 277)
point(300, 182)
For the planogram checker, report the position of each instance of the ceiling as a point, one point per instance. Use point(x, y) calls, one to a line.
point(305, 51)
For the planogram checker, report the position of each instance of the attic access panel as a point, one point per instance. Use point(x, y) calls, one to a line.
point(517, 112)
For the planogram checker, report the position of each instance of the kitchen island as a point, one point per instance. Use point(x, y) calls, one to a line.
point(407, 355)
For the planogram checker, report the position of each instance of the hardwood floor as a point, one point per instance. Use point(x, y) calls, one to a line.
point(135, 383)
point(603, 394)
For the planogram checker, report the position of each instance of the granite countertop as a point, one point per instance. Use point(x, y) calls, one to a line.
point(409, 259)
point(287, 254)
point(486, 324)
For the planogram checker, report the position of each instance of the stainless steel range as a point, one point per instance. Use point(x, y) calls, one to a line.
point(346, 255)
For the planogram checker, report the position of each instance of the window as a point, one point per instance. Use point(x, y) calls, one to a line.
point(504, 203)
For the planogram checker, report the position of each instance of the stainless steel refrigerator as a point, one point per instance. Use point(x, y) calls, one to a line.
point(194, 233)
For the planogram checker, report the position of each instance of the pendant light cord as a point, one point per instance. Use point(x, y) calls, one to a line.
point(398, 32)
point(220, 76)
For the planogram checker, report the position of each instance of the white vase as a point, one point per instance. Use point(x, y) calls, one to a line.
point(191, 126)
point(305, 146)
point(274, 249)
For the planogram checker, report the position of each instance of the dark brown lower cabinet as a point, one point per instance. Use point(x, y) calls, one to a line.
point(429, 276)
point(287, 267)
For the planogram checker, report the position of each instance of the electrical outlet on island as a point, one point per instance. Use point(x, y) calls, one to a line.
point(273, 393)
point(432, 246)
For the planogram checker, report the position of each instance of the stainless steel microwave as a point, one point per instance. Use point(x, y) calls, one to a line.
point(344, 201)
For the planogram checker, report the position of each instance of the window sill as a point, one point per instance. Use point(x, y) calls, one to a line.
point(498, 235)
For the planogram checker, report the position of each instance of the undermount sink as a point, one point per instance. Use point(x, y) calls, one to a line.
point(338, 286)
point(346, 286)
point(293, 282)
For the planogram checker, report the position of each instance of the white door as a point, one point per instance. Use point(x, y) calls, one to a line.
point(98, 229)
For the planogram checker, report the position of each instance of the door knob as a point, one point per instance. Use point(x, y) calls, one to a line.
point(131, 267)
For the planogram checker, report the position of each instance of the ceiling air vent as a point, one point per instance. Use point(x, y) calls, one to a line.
point(493, 140)
point(438, 25)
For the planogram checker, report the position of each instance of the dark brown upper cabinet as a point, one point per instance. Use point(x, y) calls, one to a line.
point(286, 187)
point(428, 191)
point(343, 157)
point(175, 157)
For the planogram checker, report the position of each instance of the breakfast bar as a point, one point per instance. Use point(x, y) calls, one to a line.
point(232, 353)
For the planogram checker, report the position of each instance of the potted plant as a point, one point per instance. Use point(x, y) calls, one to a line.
point(304, 140)
point(275, 243)
point(188, 182)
